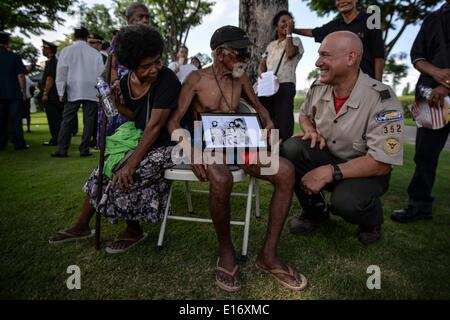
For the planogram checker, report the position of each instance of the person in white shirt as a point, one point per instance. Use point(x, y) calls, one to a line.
point(181, 68)
point(282, 57)
point(79, 65)
point(26, 104)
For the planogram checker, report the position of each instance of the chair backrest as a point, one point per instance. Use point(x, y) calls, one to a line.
point(245, 107)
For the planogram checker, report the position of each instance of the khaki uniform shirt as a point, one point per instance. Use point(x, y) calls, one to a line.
point(370, 121)
point(273, 53)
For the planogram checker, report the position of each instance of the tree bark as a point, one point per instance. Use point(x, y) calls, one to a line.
point(255, 17)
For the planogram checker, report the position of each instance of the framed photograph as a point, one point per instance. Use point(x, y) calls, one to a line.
point(232, 130)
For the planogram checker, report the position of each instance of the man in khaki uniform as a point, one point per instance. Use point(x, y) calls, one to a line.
point(353, 134)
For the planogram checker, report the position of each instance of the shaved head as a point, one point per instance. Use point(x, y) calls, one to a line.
point(340, 56)
point(346, 41)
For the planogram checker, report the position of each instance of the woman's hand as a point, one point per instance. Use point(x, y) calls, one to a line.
point(123, 178)
point(290, 26)
point(116, 91)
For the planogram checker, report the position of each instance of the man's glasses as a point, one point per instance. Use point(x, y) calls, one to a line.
point(239, 54)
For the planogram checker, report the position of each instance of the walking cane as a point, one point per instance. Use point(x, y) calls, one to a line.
point(101, 163)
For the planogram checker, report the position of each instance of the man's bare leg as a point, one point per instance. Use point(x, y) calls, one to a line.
point(220, 186)
point(283, 182)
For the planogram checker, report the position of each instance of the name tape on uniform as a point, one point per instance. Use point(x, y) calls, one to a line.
point(392, 129)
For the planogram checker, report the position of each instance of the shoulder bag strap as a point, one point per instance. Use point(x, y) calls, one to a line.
point(279, 62)
point(147, 118)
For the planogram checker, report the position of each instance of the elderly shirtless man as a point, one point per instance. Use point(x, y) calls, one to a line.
point(217, 89)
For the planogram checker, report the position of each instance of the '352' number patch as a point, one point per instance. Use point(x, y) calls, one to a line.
point(392, 129)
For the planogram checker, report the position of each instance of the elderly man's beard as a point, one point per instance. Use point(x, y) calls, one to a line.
point(239, 69)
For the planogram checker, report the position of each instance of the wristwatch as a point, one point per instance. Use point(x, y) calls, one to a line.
point(337, 173)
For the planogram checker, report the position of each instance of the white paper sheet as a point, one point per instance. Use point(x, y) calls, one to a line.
point(267, 84)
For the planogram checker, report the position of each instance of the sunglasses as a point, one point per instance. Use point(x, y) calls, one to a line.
point(240, 54)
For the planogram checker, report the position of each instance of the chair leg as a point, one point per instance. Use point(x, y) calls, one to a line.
point(248, 213)
point(164, 222)
point(257, 205)
point(188, 197)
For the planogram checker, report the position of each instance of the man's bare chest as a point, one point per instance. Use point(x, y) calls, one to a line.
point(212, 98)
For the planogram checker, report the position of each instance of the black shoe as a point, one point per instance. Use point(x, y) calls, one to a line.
point(300, 225)
point(369, 235)
point(25, 147)
point(410, 214)
point(59, 155)
point(85, 154)
point(49, 143)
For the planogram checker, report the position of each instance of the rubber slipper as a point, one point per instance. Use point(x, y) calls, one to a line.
point(298, 277)
point(222, 283)
point(65, 236)
point(129, 243)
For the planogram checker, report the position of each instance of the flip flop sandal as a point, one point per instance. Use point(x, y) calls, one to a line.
point(65, 236)
point(299, 278)
point(223, 283)
point(131, 243)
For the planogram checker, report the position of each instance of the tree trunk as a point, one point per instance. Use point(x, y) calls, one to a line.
point(255, 17)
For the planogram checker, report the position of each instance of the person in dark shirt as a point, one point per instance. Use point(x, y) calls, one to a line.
point(53, 107)
point(12, 95)
point(136, 13)
point(430, 54)
point(351, 19)
point(137, 191)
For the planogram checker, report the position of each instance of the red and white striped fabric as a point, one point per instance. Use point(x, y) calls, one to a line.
point(428, 117)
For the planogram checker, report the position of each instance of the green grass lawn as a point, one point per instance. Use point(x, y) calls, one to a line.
point(40, 195)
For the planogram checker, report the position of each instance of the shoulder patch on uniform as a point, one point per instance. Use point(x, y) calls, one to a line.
point(391, 146)
point(378, 86)
point(388, 116)
point(385, 94)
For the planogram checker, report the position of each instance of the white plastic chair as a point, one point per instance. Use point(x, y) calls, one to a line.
point(185, 174)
